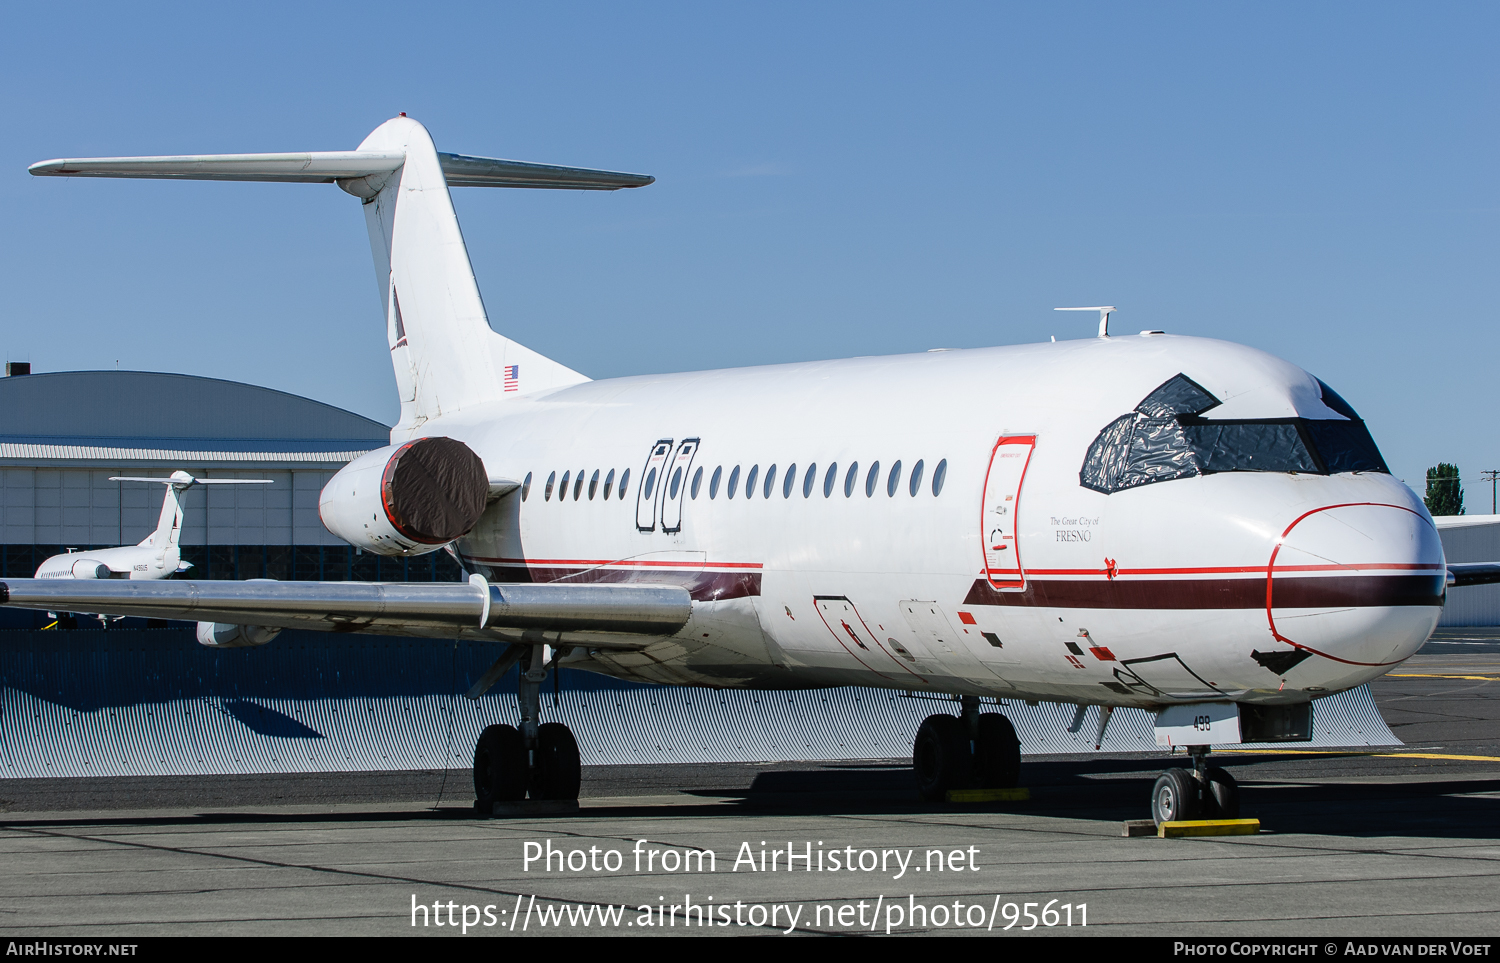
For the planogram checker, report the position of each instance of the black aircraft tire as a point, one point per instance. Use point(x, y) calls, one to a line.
point(499, 768)
point(941, 757)
point(558, 770)
point(997, 753)
point(1175, 797)
point(1222, 793)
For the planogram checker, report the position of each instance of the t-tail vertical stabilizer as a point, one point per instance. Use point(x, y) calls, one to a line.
point(445, 355)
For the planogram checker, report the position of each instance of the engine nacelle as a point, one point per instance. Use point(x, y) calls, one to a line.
point(217, 635)
point(406, 499)
point(88, 568)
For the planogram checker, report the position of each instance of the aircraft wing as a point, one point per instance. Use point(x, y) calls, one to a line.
point(1469, 573)
point(1472, 573)
point(612, 615)
point(1445, 522)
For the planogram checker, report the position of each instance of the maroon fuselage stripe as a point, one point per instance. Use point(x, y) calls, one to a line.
point(1337, 591)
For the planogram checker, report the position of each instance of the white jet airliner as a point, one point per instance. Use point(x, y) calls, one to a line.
point(1188, 526)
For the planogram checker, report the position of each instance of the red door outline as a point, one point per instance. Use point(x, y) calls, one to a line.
point(1002, 560)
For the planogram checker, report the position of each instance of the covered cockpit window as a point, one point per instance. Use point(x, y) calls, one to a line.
point(1167, 437)
point(1344, 445)
point(1250, 446)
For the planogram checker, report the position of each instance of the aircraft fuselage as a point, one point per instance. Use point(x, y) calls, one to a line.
point(770, 493)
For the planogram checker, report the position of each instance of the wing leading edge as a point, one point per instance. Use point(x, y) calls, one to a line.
point(617, 616)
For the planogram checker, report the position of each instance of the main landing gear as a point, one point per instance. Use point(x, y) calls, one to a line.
point(973, 752)
point(540, 757)
point(1202, 792)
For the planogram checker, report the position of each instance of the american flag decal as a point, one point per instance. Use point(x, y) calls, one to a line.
point(512, 377)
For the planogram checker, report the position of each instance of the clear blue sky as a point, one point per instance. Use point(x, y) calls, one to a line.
point(1317, 180)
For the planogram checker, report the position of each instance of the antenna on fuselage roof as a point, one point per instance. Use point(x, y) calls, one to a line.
point(1104, 313)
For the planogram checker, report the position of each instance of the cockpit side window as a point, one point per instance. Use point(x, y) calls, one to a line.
point(1180, 395)
point(1167, 437)
point(1333, 400)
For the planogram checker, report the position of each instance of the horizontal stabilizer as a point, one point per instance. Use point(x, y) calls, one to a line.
point(444, 354)
point(194, 481)
point(607, 615)
point(460, 170)
point(326, 167)
point(320, 167)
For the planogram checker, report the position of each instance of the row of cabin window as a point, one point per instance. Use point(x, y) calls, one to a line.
point(562, 492)
point(872, 482)
point(851, 479)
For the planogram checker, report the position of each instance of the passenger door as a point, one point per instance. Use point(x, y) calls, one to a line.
point(1002, 502)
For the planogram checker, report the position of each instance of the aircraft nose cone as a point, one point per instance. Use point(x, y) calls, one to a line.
point(1361, 584)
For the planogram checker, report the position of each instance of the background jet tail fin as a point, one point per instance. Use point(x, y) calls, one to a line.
point(169, 523)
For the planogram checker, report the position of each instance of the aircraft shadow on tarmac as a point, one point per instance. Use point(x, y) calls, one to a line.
point(1111, 790)
point(1444, 810)
point(1107, 790)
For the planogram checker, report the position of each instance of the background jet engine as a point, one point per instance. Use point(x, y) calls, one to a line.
point(89, 568)
point(406, 499)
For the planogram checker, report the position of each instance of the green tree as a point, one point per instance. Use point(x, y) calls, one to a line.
point(1445, 496)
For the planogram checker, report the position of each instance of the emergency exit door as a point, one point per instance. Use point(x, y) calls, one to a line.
point(647, 491)
point(1002, 504)
point(675, 479)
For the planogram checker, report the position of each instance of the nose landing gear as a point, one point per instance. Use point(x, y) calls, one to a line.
point(541, 758)
point(1203, 792)
point(976, 751)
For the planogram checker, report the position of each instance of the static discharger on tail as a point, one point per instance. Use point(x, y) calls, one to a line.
point(1187, 526)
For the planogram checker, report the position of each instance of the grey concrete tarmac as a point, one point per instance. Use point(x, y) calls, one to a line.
point(1400, 843)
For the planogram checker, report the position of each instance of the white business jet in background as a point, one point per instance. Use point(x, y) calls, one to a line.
point(157, 556)
point(1188, 526)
